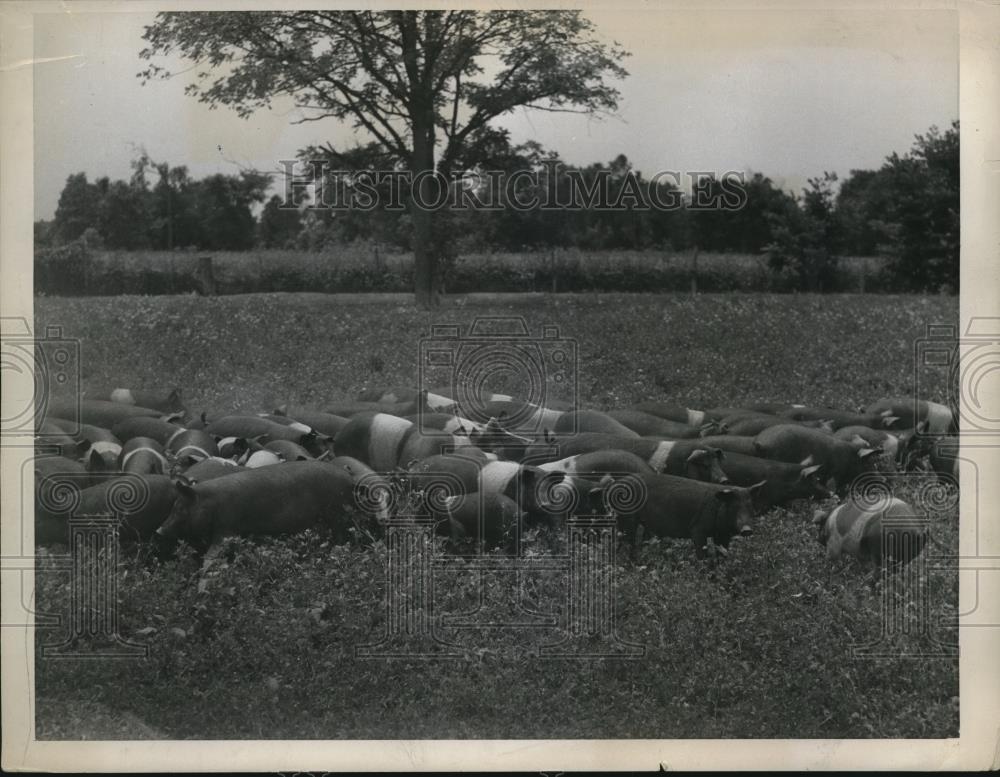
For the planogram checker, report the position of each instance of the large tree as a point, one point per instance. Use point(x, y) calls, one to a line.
point(421, 83)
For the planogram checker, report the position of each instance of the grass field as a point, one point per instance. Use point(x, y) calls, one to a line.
point(759, 645)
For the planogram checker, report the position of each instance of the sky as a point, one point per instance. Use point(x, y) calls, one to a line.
point(790, 94)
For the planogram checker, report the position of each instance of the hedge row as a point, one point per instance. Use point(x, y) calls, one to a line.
point(75, 271)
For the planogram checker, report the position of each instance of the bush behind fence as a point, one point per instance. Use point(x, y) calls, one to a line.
point(75, 270)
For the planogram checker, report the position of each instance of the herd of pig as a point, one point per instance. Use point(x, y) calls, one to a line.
point(481, 473)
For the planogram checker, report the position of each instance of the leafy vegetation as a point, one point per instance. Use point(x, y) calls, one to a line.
point(373, 267)
point(906, 214)
point(758, 645)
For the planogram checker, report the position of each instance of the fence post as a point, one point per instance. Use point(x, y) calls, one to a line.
point(206, 278)
point(694, 272)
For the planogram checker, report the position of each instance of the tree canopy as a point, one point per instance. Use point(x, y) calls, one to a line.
point(423, 84)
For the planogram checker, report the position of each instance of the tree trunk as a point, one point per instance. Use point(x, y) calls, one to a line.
point(425, 264)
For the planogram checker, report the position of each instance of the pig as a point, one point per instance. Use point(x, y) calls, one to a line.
point(850, 529)
point(461, 475)
point(190, 445)
point(515, 415)
point(255, 426)
point(684, 508)
point(676, 413)
point(598, 463)
point(729, 442)
point(236, 448)
point(489, 521)
point(284, 420)
point(143, 456)
point(349, 408)
point(208, 469)
point(51, 437)
point(675, 457)
point(57, 480)
point(841, 418)
point(141, 503)
point(910, 412)
point(792, 443)
point(145, 426)
point(102, 457)
point(505, 444)
point(944, 457)
point(96, 412)
point(291, 498)
point(357, 469)
point(445, 422)
point(264, 458)
point(772, 408)
point(418, 446)
point(591, 421)
point(389, 396)
point(648, 425)
point(719, 413)
point(87, 432)
point(162, 401)
point(324, 423)
point(375, 438)
point(289, 450)
point(748, 424)
point(889, 445)
point(782, 482)
point(475, 454)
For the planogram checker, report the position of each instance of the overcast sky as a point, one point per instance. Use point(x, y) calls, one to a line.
point(786, 93)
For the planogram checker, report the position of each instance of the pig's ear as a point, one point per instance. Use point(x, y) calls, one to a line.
point(826, 425)
point(281, 410)
point(808, 472)
point(807, 461)
point(172, 418)
point(184, 486)
point(725, 494)
point(697, 455)
point(889, 421)
point(864, 453)
point(860, 441)
point(756, 487)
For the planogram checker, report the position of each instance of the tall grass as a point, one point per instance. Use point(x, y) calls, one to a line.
point(367, 267)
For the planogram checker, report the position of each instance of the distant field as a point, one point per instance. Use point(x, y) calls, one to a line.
point(759, 645)
point(364, 267)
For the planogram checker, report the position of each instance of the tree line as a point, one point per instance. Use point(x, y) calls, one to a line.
point(907, 212)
